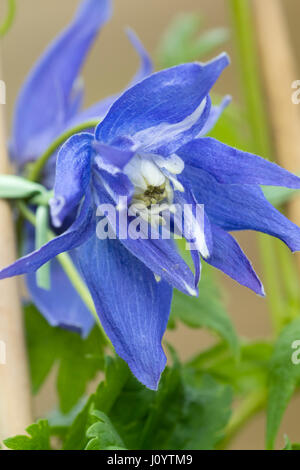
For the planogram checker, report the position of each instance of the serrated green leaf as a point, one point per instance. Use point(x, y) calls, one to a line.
point(102, 435)
point(79, 359)
point(283, 378)
point(180, 44)
point(38, 439)
point(187, 413)
point(116, 376)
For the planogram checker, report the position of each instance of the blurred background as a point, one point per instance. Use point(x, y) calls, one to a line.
point(109, 67)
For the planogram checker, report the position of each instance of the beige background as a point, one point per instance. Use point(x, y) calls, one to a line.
point(109, 67)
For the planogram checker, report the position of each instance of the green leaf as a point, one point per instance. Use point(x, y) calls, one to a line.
point(246, 375)
point(177, 416)
point(180, 44)
point(205, 311)
point(278, 196)
point(16, 187)
point(187, 413)
point(289, 445)
point(38, 439)
point(116, 375)
point(79, 359)
point(102, 435)
point(283, 378)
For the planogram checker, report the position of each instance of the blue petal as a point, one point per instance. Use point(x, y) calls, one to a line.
point(166, 109)
point(61, 305)
point(73, 173)
point(43, 106)
point(228, 257)
point(241, 207)
point(195, 223)
point(78, 233)
point(100, 109)
point(231, 166)
point(111, 158)
point(132, 306)
point(214, 115)
point(146, 67)
point(159, 255)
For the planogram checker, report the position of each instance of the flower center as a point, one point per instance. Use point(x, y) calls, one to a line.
point(153, 192)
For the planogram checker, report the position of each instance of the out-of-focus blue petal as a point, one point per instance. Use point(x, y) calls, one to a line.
point(166, 109)
point(73, 174)
point(231, 166)
point(100, 109)
point(228, 257)
point(132, 306)
point(61, 305)
point(214, 116)
point(78, 233)
point(159, 255)
point(146, 67)
point(241, 207)
point(44, 103)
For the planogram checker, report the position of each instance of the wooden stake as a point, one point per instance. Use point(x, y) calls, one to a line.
point(15, 396)
point(279, 71)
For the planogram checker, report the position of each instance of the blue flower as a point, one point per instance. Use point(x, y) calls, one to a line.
point(150, 147)
point(49, 103)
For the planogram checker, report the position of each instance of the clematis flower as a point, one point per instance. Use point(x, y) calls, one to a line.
point(151, 145)
point(49, 103)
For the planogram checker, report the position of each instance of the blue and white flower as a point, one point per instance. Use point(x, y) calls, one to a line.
point(150, 147)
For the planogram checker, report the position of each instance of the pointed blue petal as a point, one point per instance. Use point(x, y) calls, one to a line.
point(166, 109)
point(61, 305)
point(43, 106)
point(241, 207)
point(132, 306)
point(78, 233)
point(100, 109)
point(231, 166)
point(228, 257)
point(146, 67)
point(73, 173)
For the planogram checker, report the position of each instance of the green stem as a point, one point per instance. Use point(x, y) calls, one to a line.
point(37, 167)
point(250, 77)
point(249, 407)
point(243, 27)
point(70, 269)
point(7, 23)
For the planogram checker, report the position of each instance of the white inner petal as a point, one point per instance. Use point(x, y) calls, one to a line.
point(152, 173)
